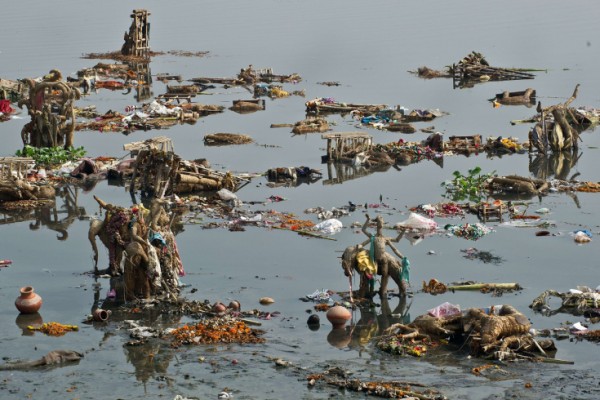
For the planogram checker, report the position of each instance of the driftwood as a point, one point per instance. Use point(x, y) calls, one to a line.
point(221, 139)
point(474, 68)
point(486, 286)
point(526, 97)
point(518, 184)
point(54, 358)
point(557, 132)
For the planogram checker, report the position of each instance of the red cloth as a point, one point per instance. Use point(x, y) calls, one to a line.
point(5, 107)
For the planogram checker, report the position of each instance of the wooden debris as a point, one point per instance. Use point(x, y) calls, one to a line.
point(250, 76)
point(14, 189)
point(12, 90)
point(346, 145)
point(158, 171)
point(222, 139)
point(328, 105)
point(137, 40)
point(310, 125)
point(517, 184)
point(474, 68)
point(463, 144)
point(525, 97)
point(555, 128)
point(486, 287)
point(248, 106)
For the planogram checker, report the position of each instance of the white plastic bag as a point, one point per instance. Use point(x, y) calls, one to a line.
point(417, 222)
point(329, 226)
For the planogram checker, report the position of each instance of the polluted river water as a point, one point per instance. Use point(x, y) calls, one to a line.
point(369, 50)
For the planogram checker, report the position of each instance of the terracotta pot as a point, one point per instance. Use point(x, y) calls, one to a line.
point(28, 302)
point(338, 316)
point(219, 308)
point(235, 305)
point(101, 315)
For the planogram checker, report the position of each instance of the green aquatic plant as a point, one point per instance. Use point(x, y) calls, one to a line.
point(467, 187)
point(50, 156)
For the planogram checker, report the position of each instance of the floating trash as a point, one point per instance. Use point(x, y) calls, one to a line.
point(319, 295)
point(469, 231)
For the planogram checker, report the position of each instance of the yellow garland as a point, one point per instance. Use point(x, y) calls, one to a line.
point(53, 328)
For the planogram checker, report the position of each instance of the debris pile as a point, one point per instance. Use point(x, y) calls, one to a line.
point(501, 333)
point(215, 331)
point(475, 68)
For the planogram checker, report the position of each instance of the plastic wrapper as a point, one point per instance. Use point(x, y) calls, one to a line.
point(417, 222)
point(444, 310)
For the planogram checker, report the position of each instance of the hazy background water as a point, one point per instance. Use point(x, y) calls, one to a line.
point(368, 47)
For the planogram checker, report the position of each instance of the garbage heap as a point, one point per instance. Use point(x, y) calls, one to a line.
point(499, 332)
point(142, 241)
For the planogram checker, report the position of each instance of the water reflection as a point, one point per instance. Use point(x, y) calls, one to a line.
point(54, 217)
point(140, 79)
point(151, 360)
point(23, 321)
point(370, 324)
point(340, 172)
point(559, 165)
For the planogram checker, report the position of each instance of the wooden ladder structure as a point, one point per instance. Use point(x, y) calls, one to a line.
point(342, 145)
point(137, 41)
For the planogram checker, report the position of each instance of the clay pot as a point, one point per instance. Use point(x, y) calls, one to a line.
point(234, 305)
point(338, 316)
point(28, 302)
point(219, 308)
point(101, 315)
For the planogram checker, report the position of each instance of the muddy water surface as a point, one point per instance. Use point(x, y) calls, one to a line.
point(368, 48)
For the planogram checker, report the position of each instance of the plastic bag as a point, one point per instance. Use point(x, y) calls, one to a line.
point(329, 226)
point(417, 222)
point(444, 310)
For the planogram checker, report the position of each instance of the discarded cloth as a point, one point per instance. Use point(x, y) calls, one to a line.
point(364, 263)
